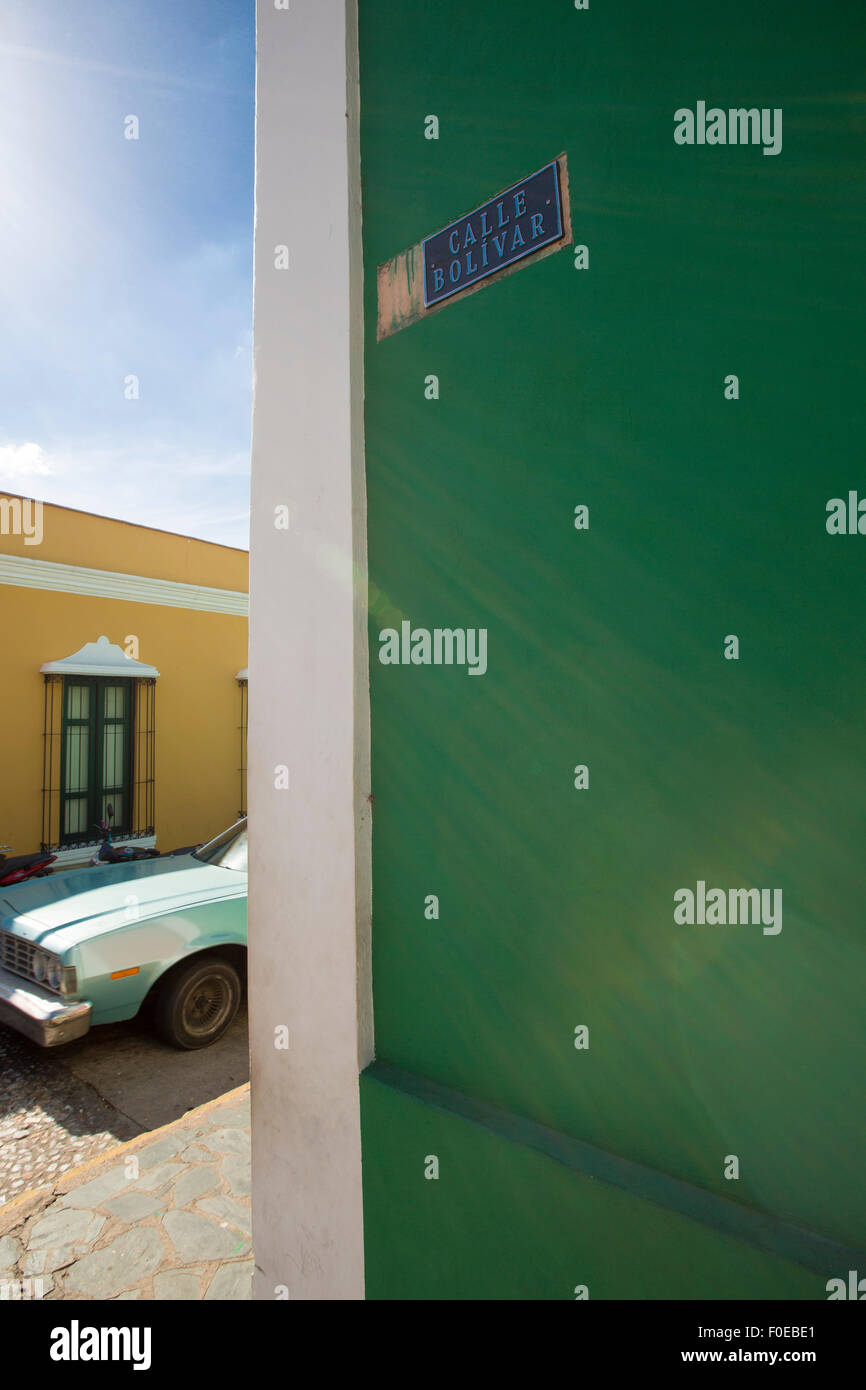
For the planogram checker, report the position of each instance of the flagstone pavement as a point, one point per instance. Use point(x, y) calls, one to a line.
point(164, 1216)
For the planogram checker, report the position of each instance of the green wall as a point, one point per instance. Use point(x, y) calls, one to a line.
point(606, 646)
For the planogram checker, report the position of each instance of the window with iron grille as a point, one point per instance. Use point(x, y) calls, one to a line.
point(98, 752)
point(243, 748)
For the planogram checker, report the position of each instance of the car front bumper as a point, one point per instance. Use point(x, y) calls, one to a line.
point(46, 1018)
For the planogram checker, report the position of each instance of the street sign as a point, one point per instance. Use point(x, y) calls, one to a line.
point(512, 225)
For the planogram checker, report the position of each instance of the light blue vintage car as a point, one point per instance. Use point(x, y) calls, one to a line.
point(95, 945)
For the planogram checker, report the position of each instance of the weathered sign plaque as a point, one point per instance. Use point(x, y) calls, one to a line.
point(524, 222)
point(516, 223)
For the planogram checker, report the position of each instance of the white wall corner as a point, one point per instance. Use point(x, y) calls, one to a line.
point(310, 873)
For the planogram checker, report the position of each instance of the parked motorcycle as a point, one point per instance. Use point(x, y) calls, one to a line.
point(109, 853)
point(23, 866)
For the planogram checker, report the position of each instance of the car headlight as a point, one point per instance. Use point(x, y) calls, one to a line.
point(55, 973)
point(39, 966)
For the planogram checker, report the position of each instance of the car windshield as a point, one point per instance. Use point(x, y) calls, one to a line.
point(229, 849)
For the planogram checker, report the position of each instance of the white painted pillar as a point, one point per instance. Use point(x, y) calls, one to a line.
point(309, 903)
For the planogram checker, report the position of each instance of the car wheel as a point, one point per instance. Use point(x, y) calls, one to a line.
point(197, 1004)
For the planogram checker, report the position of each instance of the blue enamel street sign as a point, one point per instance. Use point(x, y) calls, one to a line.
point(514, 224)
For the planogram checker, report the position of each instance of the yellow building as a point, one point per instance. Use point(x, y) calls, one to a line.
point(122, 682)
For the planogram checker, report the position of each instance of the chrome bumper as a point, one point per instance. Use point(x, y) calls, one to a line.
point(37, 1013)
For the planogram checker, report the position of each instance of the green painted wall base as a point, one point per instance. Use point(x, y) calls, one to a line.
point(502, 1221)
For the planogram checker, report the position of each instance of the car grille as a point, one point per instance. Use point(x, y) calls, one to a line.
point(17, 955)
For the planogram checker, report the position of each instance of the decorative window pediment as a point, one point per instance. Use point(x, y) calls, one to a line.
point(100, 658)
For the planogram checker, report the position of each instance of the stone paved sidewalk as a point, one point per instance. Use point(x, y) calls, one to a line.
point(165, 1216)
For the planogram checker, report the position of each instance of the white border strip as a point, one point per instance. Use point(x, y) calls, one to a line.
point(22, 572)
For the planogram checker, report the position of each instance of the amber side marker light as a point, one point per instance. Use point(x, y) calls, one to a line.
point(122, 974)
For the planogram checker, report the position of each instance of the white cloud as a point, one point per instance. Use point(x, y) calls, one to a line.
point(23, 461)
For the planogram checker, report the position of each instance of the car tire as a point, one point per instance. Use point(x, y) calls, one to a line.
point(197, 1003)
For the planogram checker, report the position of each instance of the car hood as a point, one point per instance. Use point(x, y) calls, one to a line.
point(87, 902)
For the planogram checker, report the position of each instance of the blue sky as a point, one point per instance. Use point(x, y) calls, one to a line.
point(125, 257)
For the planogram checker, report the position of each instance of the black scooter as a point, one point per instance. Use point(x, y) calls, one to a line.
point(109, 853)
point(117, 854)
